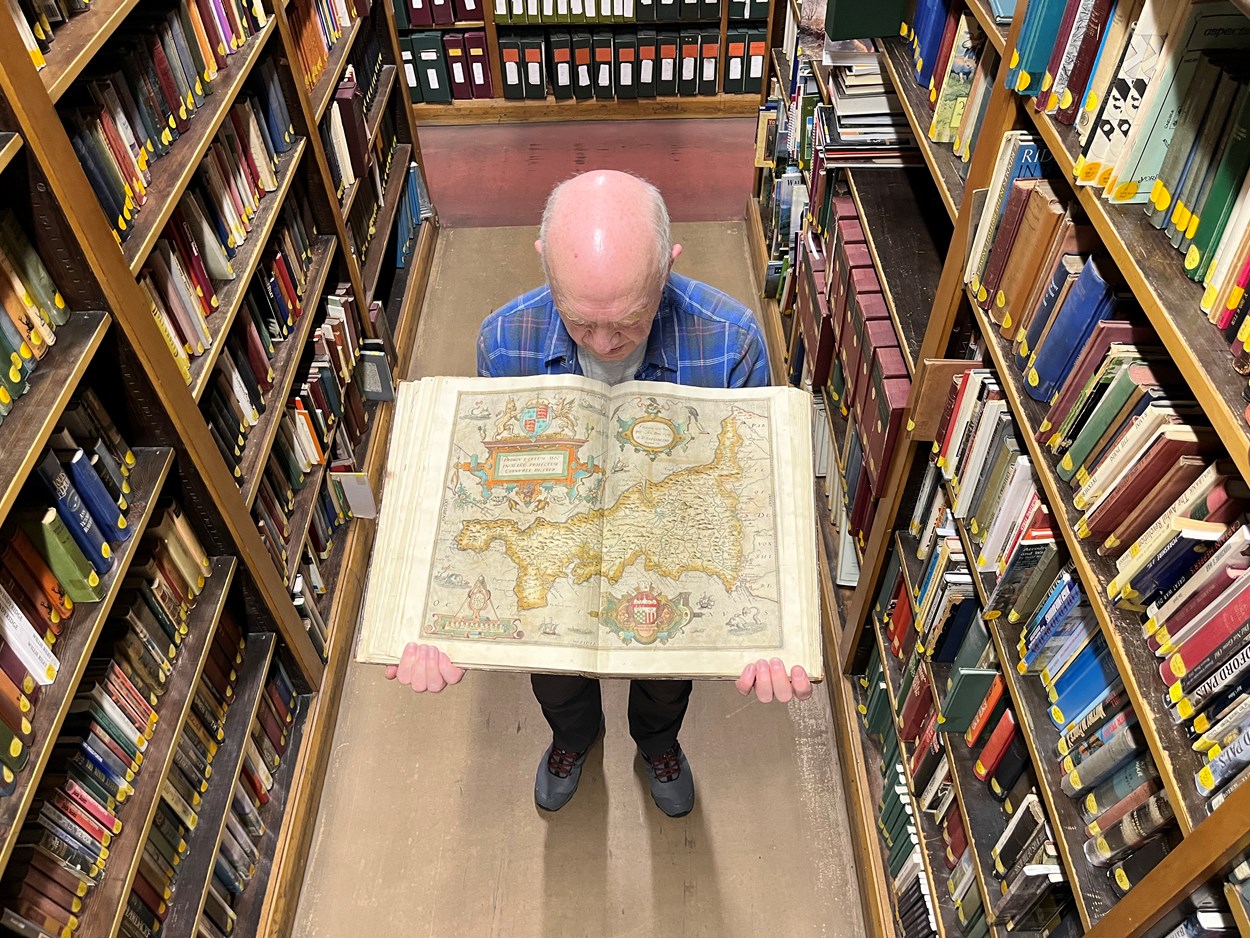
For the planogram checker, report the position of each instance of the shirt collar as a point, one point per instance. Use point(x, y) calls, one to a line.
point(661, 353)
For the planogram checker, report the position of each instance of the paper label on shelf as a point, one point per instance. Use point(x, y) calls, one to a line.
point(646, 71)
point(709, 69)
point(479, 76)
point(562, 73)
point(735, 69)
point(534, 72)
point(666, 70)
point(757, 66)
point(627, 73)
point(687, 69)
point(457, 71)
point(605, 74)
point(511, 74)
point(583, 75)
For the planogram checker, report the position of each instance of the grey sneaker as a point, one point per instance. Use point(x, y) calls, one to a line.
point(672, 784)
point(558, 774)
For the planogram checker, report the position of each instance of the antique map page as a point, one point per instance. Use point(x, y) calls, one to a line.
point(556, 524)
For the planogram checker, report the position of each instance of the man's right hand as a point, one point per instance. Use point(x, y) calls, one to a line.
point(425, 669)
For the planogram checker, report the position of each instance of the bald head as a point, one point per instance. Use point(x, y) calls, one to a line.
point(607, 252)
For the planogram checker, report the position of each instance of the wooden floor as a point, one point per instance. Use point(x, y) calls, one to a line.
point(498, 175)
point(428, 826)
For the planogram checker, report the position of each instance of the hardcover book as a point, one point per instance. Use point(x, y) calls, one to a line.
point(556, 524)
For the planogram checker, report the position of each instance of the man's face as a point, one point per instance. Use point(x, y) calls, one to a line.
point(608, 315)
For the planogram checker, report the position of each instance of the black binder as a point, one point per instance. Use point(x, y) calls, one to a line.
point(560, 64)
point(668, 63)
point(583, 67)
point(510, 59)
point(648, 64)
point(688, 73)
point(601, 45)
point(709, 61)
point(533, 75)
point(735, 60)
point(625, 61)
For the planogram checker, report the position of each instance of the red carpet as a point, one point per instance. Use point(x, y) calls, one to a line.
point(493, 175)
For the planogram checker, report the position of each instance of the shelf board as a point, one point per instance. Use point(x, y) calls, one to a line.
point(907, 242)
point(285, 364)
point(408, 294)
point(984, 583)
point(35, 414)
point(74, 648)
point(77, 41)
point(926, 826)
point(1237, 906)
point(911, 566)
point(197, 869)
point(1155, 273)
point(107, 907)
point(996, 34)
point(323, 89)
point(503, 110)
point(249, 905)
point(392, 193)
point(984, 818)
point(230, 299)
point(781, 66)
point(1090, 890)
point(770, 313)
point(373, 117)
point(174, 171)
point(821, 72)
point(10, 146)
point(1169, 742)
point(940, 157)
point(301, 516)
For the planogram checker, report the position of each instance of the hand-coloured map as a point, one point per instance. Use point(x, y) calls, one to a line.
point(618, 522)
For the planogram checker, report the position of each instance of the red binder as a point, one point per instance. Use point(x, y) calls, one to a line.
point(419, 14)
point(457, 66)
point(479, 64)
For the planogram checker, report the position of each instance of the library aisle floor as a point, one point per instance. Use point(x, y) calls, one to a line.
point(428, 826)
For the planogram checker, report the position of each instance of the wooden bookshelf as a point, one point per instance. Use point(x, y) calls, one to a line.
point(10, 146)
point(245, 262)
point(907, 245)
point(984, 819)
point(325, 86)
point(770, 313)
point(306, 502)
point(1154, 271)
point(503, 110)
point(28, 426)
point(373, 117)
point(985, 17)
point(1237, 906)
point(1090, 889)
point(285, 365)
point(392, 193)
point(940, 158)
point(76, 41)
point(781, 67)
point(174, 171)
point(1169, 743)
point(74, 648)
point(249, 904)
point(196, 870)
point(103, 914)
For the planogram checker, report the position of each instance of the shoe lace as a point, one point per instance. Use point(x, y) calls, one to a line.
point(561, 761)
point(666, 765)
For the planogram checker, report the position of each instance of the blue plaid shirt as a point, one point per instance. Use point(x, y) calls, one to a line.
point(701, 337)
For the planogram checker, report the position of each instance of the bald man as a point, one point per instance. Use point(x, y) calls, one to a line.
point(613, 310)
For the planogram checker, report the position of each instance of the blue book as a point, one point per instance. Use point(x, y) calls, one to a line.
point(928, 40)
point(1087, 304)
point(1060, 621)
point(956, 629)
point(99, 502)
point(1068, 268)
point(1003, 11)
point(1038, 34)
point(1176, 556)
point(1069, 652)
point(70, 506)
point(1088, 677)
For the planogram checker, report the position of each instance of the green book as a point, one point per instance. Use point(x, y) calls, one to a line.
point(65, 558)
point(975, 643)
point(854, 19)
point(1213, 215)
point(1126, 388)
point(968, 687)
point(1036, 586)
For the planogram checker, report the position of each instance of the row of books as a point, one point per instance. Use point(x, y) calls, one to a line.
point(863, 123)
point(414, 208)
point(1176, 144)
point(440, 67)
point(317, 26)
point(216, 28)
point(172, 833)
point(33, 309)
point(380, 166)
point(143, 92)
point(94, 765)
point(956, 65)
point(610, 12)
point(629, 64)
point(238, 858)
point(423, 14)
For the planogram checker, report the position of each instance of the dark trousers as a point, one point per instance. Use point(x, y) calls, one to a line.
point(573, 707)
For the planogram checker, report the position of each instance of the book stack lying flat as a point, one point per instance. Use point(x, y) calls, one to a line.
point(864, 123)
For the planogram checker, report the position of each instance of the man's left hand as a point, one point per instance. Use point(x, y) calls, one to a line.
point(770, 680)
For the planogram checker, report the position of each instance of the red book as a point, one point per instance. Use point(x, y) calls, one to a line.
point(917, 706)
point(925, 741)
point(941, 63)
point(995, 693)
point(1209, 636)
point(1226, 579)
point(995, 746)
point(1099, 825)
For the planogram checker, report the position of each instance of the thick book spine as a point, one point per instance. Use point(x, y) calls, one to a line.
point(1101, 764)
point(1134, 829)
point(75, 514)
